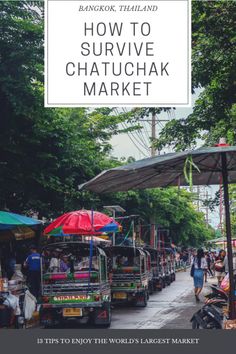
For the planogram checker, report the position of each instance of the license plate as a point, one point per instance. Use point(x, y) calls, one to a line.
point(72, 312)
point(119, 296)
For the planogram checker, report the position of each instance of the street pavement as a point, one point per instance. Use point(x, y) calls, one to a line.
point(172, 308)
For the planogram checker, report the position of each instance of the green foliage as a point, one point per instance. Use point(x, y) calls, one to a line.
point(232, 196)
point(214, 72)
point(21, 69)
point(170, 208)
point(46, 153)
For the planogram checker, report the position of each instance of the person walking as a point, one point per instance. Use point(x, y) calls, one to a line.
point(199, 266)
point(185, 259)
point(213, 258)
point(177, 260)
point(220, 266)
point(33, 265)
point(208, 270)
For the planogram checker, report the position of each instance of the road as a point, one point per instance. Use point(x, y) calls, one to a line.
point(171, 308)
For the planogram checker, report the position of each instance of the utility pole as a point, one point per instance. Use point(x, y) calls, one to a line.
point(221, 207)
point(153, 136)
point(153, 153)
point(154, 121)
point(207, 210)
point(198, 198)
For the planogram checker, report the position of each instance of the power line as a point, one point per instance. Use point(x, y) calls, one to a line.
point(146, 132)
point(141, 138)
point(137, 134)
point(135, 144)
point(135, 138)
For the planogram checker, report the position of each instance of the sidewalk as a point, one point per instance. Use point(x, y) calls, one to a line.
point(172, 308)
point(188, 306)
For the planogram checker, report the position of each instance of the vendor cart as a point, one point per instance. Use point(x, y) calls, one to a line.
point(165, 265)
point(75, 284)
point(149, 271)
point(129, 275)
point(157, 271)
point(171, 263)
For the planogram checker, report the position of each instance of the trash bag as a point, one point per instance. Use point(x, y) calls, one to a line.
point(12, 301)
point(29, 305)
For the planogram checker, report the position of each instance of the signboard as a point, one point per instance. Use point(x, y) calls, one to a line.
point(117, 53)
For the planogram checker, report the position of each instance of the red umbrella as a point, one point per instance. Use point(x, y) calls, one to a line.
point(81, 222)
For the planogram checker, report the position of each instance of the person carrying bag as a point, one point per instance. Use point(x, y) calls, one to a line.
point(198, 267)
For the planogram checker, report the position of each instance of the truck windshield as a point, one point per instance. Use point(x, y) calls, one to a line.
point(129, 261)
point(61, 262)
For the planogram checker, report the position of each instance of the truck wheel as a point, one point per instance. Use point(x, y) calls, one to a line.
point(195, 324)
point(151, 288)
point(102, 316)
point(107, 325)
point(159, 285)
point(141, 299)
point(210, 324)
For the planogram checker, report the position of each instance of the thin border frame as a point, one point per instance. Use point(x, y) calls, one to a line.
point(71, 105)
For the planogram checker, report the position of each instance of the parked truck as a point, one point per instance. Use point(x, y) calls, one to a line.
point(75, 284)
point(158, 276)
point(129, 275)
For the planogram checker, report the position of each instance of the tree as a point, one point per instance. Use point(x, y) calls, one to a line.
point(171, 208)
point(47, 152)
point(214, 72)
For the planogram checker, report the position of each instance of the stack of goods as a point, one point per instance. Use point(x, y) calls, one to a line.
point(17, 281)
point(230, 324)
point(18, 275)
point(15, 285)
point(3, 284)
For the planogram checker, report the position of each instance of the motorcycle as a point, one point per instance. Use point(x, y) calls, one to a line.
point(211, 315)
point(208, 317)
point(8, 316)
point(217, 292)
